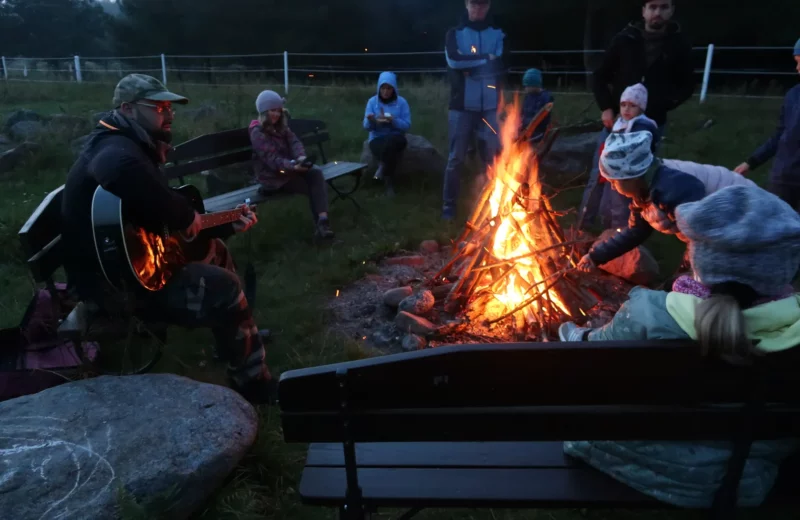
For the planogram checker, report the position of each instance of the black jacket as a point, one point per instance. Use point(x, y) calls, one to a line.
point(669, 80)
point(125, 161)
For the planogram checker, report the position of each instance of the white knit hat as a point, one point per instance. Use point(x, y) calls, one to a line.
point(636, 94)
point(626, 156)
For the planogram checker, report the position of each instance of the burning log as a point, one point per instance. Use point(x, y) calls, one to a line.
point(517, 263)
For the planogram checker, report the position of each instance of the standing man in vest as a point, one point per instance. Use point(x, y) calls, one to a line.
point(475, 67)
point(652, 51)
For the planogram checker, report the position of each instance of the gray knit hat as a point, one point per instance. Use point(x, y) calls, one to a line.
point(626, 156)
point(797, 48)
point(268, 100)
point(742, 234)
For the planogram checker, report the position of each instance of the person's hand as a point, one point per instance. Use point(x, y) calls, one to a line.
point(608, 118)
point(370, 117)
point(190, 233)
point(586, 264)
point(246, 221)
point(742, 169)
point(300, 168)
point(301, 159)
point(382, 120)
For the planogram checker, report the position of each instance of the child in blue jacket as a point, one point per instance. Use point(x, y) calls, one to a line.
point(388, 118)
point(536, 97)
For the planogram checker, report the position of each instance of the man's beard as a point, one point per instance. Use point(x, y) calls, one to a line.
point(657, 26)
point(162, 135)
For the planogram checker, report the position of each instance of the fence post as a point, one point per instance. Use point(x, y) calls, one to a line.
point(5, 68)
point(286, 72)
point(78, 76)
point(707, 73)
point(163, 68)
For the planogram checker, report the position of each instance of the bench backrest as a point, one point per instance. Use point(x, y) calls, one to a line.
point(40, 237)
point(537, 391)
point(211, 151)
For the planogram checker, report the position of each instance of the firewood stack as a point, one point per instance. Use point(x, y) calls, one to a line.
point(512, 264)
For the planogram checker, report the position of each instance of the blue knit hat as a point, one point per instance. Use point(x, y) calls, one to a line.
point(532, 78)
point(797, 48)
point(742, 234)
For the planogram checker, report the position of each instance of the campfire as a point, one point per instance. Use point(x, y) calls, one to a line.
point(513, 266)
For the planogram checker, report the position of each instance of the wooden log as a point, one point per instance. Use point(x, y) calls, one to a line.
point(456, 297)
point(561, 289)
point(477, 210)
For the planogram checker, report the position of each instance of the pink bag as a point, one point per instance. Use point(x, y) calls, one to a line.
point(32, 352)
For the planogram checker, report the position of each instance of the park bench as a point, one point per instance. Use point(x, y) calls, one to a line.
point(481, 426)
point(43, 249)
point(229, 147)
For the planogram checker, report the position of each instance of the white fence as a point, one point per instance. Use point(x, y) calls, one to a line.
point(284, 65)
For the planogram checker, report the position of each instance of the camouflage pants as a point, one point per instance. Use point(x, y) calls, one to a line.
point(209, 293)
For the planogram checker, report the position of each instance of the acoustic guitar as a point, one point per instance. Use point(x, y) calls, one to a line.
point(131, 256)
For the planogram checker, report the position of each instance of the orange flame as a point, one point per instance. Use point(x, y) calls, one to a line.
point(473, 49)
point(515, 196)
point(154, 257)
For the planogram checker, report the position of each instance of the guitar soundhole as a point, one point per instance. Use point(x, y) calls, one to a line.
point(151, 256)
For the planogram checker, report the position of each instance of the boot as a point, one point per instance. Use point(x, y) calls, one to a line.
point(379, 172)
point(324, 228)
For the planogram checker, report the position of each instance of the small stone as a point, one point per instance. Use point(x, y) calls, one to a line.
point(380, 338)
point(407, 322)
point(413, 342)
point(420, 303)
point(412, 261)
point(393, 297)
point(429, 246)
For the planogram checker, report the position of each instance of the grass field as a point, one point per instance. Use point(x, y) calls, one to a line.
point(296, 276)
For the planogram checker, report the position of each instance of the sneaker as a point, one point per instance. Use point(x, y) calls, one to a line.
point(260, 391)
point(324, 228)
point(379, 172)
point(570, 332)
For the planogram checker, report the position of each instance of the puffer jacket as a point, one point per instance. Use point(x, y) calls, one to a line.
point(273, 153)
point(397, 107)
point(688, 474)
point(675, 182)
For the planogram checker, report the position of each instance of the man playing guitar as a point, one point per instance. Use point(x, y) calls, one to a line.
point(123, 156)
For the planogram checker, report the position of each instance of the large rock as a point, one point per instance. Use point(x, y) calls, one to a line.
point(198, 113)
point(26, 130)
point(72, 451)
point(11, 158)
point(19, 116)
point(393, 297)
point(419, 303)
point(69, 126)
point(419, 158)
point(570, 157)
point(637, 266)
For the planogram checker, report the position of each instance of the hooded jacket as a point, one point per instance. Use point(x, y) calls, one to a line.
point(669, 79)
point(688, 474)
point(784, 144)
point(476, 80)
point(122, 158)
point(273, 153)
point(397, 107)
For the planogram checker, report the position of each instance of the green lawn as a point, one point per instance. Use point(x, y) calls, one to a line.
point(296, 276)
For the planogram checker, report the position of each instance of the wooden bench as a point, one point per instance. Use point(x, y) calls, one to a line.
point(43, 247)
point(211, 151)
point(482, 426)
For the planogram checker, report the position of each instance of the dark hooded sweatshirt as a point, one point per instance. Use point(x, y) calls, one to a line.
point(122, 158)
point(663, 64)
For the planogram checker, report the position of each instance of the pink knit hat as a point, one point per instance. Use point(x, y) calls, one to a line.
point(636, 94)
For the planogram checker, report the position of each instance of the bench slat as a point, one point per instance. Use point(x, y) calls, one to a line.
point(446, 454)
point(232, 199)
point(491, 487)
point(338, 169)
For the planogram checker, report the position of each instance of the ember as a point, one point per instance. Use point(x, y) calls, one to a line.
point(512, 264)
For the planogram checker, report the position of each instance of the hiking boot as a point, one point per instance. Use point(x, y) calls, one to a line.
point(379, 173)
point(324, 228)
point(260, 391)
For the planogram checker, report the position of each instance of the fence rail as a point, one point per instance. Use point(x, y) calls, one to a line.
point(75, 68)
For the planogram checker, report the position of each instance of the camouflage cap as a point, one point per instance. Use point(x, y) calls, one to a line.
point(135, 87)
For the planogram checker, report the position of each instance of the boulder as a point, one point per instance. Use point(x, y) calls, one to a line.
point(26, 130)
point(70, 126)
point(5, 140)
point(419, 158)
point(409, 323)
point(637, 266)
point(419, 303)
point(198, 113)
point(11, 158)
point(72, 451)
point(19, 116)
point(569, 157)
point(393, 297)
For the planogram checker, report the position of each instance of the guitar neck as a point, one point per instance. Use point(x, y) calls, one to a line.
point(210, 220)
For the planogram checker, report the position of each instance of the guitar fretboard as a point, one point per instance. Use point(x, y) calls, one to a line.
point(219, 218)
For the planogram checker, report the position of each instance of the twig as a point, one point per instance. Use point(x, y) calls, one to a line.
point(524, 304)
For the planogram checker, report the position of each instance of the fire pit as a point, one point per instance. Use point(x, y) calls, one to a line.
point(509, 276)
